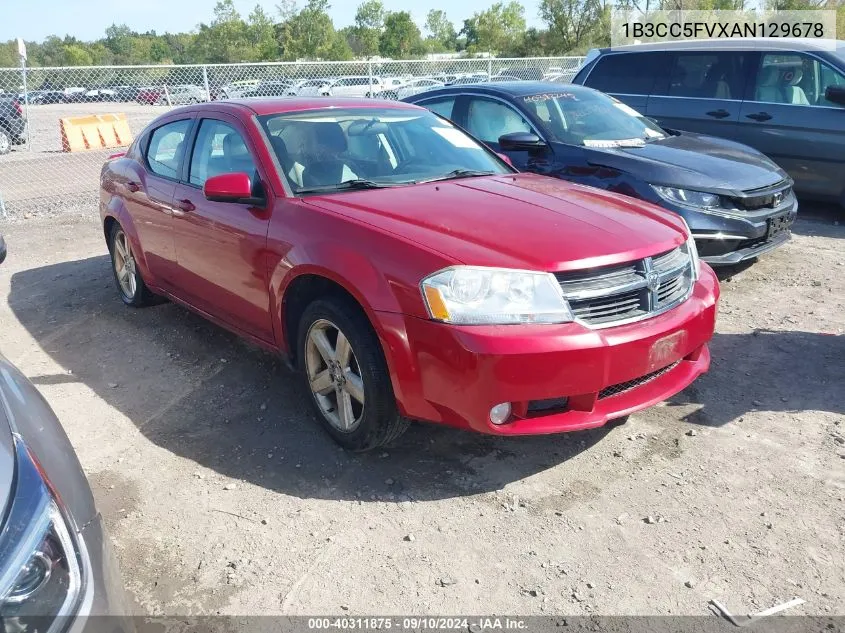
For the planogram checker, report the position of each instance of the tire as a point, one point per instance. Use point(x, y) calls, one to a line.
point(368, 424)
point(133, 291)
point(5, 142)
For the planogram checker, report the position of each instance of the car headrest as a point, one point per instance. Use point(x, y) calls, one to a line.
point(792, 76)
point(234, 146)
point(330, 137)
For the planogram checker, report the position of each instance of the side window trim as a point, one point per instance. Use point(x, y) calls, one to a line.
point(194, 136)
point(149, 136)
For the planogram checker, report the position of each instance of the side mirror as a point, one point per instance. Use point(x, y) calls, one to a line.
point(2, 249)
point(516, 141)
point(836, 94)
point(505, 158)
point(234, 187)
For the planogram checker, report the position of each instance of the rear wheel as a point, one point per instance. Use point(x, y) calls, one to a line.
point(343, 367)
point(133, 290)
point(5, 142)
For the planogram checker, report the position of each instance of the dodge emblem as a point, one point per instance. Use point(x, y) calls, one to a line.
point(652, 280)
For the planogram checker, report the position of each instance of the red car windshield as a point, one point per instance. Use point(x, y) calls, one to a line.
point(329, 148)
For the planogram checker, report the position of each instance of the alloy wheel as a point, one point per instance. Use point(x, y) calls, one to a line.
point(334, 376)
point(124, 265)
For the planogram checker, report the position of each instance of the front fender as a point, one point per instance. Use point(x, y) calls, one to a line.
point(370, 288)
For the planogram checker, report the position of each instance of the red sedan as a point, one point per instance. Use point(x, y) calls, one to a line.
point(405, 270)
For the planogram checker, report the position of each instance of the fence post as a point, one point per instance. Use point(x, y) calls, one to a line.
point(205, 81)
point(370, 74)
point(489, 68)
point(26, 106)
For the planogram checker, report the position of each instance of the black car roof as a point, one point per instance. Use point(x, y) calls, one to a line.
point(504, 88)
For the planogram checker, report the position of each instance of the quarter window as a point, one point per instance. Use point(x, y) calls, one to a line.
point(443, 107)
point(219, 149)
point(167, 147)
point(488, 120)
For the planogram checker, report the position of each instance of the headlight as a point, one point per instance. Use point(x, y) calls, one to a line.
point(688, 197)
point(472, 295)
point(41, 560)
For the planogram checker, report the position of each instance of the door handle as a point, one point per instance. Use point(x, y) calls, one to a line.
point(759, 116)
point(186, 205)
point(133, 186)
point(718, 114)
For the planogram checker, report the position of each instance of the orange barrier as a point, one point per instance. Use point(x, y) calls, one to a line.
point(96, 131)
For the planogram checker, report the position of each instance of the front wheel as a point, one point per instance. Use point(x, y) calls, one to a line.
point(133, 290)
point(343, 367)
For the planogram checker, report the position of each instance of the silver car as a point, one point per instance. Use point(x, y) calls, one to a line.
point(56, 564)
point(185, 94)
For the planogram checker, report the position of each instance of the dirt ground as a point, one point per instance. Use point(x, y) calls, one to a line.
point(222, 494)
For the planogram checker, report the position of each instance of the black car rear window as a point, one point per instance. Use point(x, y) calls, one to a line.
point(625, 73)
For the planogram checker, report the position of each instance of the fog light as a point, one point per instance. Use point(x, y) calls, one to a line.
point(500, 413)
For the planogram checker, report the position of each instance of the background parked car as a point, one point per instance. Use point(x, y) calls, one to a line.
point(182, 95)
point(236, 89)
point(12, 123)
point(56, 562)
point(737, 202)
point(356, 86)
point(269, 89)
point(149, 95)
point(412, 87)
point(313, 87)
point(785, 98)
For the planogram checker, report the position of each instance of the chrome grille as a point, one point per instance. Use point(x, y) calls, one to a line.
point(770, 197)
point(609, 295)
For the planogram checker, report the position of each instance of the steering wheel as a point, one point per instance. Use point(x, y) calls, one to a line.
point(402, 166)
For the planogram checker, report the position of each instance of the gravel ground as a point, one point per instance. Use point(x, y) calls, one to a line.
point(222, 495)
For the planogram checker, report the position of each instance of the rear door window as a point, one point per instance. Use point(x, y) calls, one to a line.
point(167, 148)
point(626, 73)
point(705, 75)
point(443, 107)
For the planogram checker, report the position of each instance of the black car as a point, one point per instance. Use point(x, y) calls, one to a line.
point(12, 123)
point(738, 203)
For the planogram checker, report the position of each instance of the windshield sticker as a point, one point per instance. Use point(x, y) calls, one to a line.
point(627, 142)
point(456, 137)
point(548, 96)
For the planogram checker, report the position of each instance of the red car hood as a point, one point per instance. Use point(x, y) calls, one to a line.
point(516, 221)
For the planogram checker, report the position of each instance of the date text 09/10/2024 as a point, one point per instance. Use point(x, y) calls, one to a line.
point(418, 623)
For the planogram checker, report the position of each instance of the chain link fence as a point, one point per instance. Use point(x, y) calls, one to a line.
point(38, 177)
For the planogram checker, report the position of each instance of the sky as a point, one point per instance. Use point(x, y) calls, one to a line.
point(88, 19)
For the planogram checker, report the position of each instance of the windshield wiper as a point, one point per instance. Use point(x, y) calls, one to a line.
point(357, 183)
point(458, 173)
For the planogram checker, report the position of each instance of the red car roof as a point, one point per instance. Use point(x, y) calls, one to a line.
point(298, 104)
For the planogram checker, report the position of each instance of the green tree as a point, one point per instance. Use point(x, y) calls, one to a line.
point(401, 37)
point(499, 28)
point(262, 36)
point(76, 55)
point(441, 30)
point(369, 24)
point(569, 23)
point(309, 34)
point(225, 40)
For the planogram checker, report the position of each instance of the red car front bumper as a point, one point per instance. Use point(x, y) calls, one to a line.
point(455, 374)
